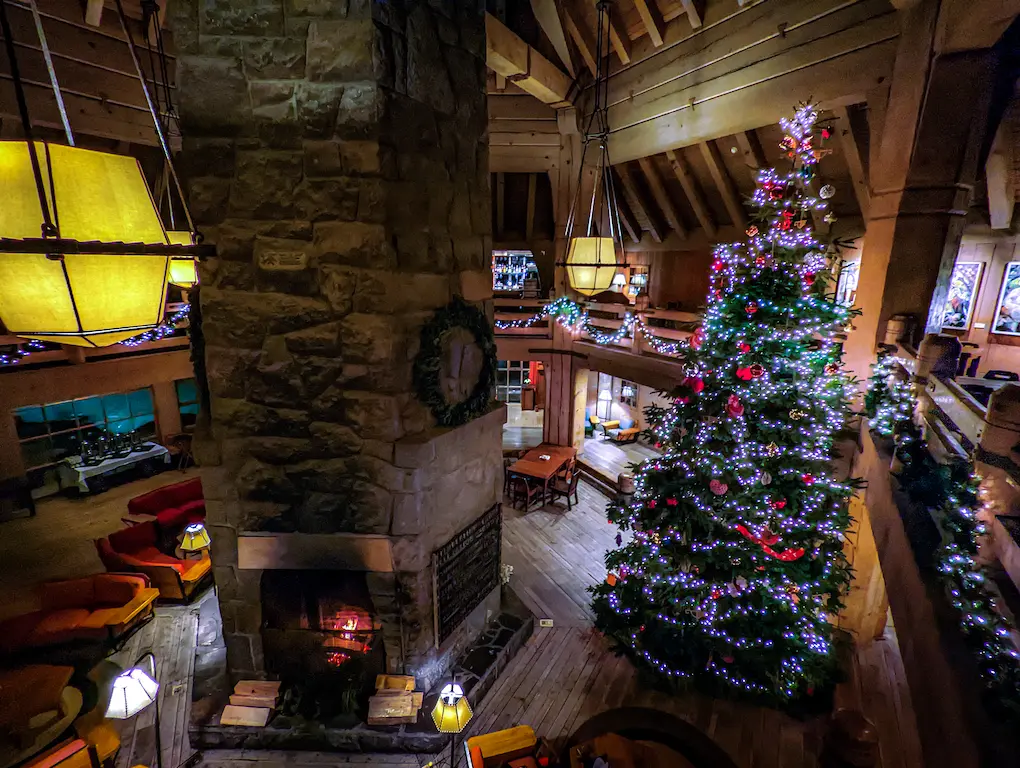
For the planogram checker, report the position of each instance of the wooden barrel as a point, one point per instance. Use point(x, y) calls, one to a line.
point(626, 483)
point(895, 329)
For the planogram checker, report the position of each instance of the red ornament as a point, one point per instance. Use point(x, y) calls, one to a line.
point(759, 261)
point(697, 338)
point(651, 503)
point(786, 220)
point(808, 479)
point(757, 371)
point(671, 502)
point(744, 347)
point(744, 374)
point(809, 279)
point(718, 266)
point(751, 307)
point(810, 690)
point(718, 295)
point(826, 133)
point(696, 383)
point(716, 594)
point(718, 487)
point(781, 504)
point(727, 659)
point(734, 407)
point(752, 231)
point(658, 445)
point(641, 628)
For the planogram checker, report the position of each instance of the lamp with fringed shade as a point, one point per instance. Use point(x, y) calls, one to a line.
point(71, 295)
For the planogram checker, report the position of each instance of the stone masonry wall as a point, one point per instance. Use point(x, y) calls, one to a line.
point(335, 153)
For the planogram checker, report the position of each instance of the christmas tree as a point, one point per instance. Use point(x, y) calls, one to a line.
point(736, 566)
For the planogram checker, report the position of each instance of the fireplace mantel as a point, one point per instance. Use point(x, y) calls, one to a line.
point(308, 551)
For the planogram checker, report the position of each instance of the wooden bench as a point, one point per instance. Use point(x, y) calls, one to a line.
point(628, 435)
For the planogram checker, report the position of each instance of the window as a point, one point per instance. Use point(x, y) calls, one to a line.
point(49, 433)
point(628, 393)
point(187, 401)
point(511, 376)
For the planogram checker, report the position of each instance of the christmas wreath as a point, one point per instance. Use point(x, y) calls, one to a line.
point(428, 364)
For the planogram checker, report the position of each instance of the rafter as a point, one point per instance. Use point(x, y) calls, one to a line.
point(508, 55)
point(651, 18)
point(695, 10)
point(661, 196)
point(637, 197)
point(94, 12)
point(754, 155)
point(619, 40)
point(627, 216)
point(693, 191)
point(580, 34)
point(722, 180)
point(852, 155)
point(548, 16)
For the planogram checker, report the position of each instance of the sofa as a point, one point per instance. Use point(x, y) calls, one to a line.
point(173, 506)
point(135, 549)
point(492, 750)
point(73, 753)
point(102, 607)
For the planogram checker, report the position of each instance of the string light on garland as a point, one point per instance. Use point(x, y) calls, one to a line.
point(21, 352)
point(161, 331)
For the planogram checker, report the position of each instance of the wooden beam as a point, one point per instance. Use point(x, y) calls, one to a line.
point(548, 16)
point(627, 216)
point(695, 10)
point(854, 163)
point(637, 197)
point(878, 101)
point(661, 196)
point(508, 55)
point(693, 191)
point(581, 36)
point(998, 172)
point(754, 155)
point(500, 203)
point(710, 152)
point(94, 13)
point(968, 25)
point(651, 18)
point(529, 223)
point(619, 40)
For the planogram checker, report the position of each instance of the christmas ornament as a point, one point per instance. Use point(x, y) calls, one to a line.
point(695, 383)
point(744, 347)
point(832, 369)
point(717, 487)
point(744, 374)
point(734, 408)
point(751, 307)
point(759, 261)
point(772, 450)
point(752, 231)
point(826, 192)
point(651, 503)
point(800, 223)
point(672, 502)
point(718, 266)
point(716, 594)
point(829, 218)
point(766, 478)
point(619, 539)
point(786, 220)
point(826, 133)
point(797, 415)
point(779, 504)
point(733, 590)
point(809, 279)
point(611, 579)
point(808, 479)
point(757, 371)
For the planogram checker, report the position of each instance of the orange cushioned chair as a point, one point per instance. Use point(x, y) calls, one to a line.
point(101, 607)
point(73, 753)
point(134, 549)
point(490, 750)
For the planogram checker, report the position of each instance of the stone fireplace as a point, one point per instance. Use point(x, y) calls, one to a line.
point(335, 153)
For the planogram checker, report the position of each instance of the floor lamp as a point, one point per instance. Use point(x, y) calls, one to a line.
point(451, 714)
point(133, 690)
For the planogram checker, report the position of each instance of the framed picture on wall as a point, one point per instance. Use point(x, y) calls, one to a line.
point(963, 288)
point(1007, 311)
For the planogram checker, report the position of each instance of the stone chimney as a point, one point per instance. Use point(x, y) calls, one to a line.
point(335, 153)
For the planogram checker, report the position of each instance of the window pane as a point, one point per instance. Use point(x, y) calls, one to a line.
point(121, 427)
point(60, 412)
point(140, 402)
point(89, 410)
point(30, 421)
point(187, 392)
point(66, 445)
point(515, 378)
point(37, 452)
point(116, 407)
point(501, 364)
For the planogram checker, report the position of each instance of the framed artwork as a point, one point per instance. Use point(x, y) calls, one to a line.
point(963, 287)
point(1007, 311)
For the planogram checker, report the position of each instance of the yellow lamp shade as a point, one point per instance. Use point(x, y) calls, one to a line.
point(452, 711)
point(591, 264)
point(195, 538)
point(183, 271)
point(77, 298)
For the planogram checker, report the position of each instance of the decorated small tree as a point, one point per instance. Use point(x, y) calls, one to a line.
point(735, 567)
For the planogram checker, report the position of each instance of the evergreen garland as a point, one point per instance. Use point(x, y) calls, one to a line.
point(427, 365)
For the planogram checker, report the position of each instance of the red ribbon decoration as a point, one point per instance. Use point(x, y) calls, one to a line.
point(765, 542)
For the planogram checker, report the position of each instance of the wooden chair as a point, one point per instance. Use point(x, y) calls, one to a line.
point(522, 490)
point(565, 487)
point(507, 462)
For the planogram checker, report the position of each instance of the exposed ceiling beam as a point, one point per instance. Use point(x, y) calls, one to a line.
point(581, 35)
point(754, 155)
point(637, 197)
point(508, 55)
point(94, 12)
point(547, 15)
point(967, 25)
point(695, 10)
point(693, 191)
point(998, 167)
point(731, 199)
point(626, 215)
point(852, 155)
point(661, 196)
point(619, 40)
point(651, 18)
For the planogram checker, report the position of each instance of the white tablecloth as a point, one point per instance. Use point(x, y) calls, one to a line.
point(76, 475)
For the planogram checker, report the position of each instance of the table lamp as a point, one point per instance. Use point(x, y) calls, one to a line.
point(452, 713)
point(195, 538)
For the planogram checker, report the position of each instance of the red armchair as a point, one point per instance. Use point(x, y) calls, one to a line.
point(173, 506)
point(134, 549)
point(103, 607)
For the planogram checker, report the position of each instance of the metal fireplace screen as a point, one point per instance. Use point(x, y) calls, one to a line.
point(465, 570)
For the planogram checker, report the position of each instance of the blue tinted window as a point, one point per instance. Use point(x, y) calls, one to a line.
point(59, 411)
point(117, 407)
point(141, 402)
point(90, 410)
point(187, 392)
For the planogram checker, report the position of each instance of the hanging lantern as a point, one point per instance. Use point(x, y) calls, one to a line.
point(63, 293)
point(183, 270)
point(593, 249)
point(591, 264)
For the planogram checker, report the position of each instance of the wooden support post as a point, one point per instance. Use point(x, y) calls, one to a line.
point(529, 225)
point(692, 190)
point(662, 196)
point(651, 18)
point(731, 198)
point(500, 204)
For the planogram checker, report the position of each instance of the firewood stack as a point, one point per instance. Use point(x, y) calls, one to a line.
point(395, 701)
point(251, 703)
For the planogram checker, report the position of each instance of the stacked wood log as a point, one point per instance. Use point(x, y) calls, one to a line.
point(395, 701)
point(251, 703)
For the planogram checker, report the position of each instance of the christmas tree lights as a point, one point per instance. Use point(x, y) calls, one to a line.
point(736, 564)
point(889, 401)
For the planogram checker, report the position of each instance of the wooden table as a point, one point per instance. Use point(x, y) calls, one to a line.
point(543, 470)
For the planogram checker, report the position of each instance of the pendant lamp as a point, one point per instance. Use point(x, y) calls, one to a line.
point(84, 258)
point(595, 251)
point(183, 270)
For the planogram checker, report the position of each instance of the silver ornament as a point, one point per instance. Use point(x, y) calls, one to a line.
point(766, 478)
point(826, 192)
point(829, 218)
